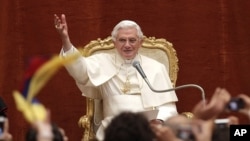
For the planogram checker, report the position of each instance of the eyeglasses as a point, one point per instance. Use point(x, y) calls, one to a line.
point(131, 41)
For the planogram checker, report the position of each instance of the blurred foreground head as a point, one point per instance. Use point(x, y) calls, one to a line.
point(129, 126)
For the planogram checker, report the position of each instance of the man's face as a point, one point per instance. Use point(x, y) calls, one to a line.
point(127, 43)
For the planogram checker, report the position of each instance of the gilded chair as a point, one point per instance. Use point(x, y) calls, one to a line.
point(158, 49)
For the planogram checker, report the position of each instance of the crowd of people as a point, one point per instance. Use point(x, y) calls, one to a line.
point(134, 126)
point(44, 130)
point(204, 126)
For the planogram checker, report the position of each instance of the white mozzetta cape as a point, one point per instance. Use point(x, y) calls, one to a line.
point(100, 68)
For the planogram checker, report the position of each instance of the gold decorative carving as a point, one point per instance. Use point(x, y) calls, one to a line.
point(189, 115)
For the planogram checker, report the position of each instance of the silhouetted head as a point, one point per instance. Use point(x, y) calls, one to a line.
point(129, 126)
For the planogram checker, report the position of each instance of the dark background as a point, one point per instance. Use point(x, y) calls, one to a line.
point(211, 38)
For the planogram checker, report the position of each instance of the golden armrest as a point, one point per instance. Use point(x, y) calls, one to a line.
point(84, 122)
point(188, 114)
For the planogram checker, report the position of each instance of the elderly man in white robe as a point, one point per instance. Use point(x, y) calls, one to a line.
point(121, 86)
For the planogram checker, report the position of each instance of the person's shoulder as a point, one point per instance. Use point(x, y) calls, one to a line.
point(150, 60)
point(101, 55)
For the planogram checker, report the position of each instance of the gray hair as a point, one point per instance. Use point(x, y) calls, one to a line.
point(126, 24)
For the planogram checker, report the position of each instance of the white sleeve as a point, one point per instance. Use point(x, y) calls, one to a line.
point(76, 69)
point(167, 110)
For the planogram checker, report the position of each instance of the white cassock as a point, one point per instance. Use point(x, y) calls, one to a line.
point(109, 73)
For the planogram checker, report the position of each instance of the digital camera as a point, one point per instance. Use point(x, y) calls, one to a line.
point(235, 104)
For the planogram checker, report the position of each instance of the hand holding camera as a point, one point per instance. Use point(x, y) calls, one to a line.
point(243, 103)
point(235, 104)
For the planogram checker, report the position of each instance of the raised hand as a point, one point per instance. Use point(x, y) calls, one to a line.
point(214, 107)
point(246, 109)
point(61, 25)
point(62, 28)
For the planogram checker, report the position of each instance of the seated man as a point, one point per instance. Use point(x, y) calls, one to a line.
point(121, 86)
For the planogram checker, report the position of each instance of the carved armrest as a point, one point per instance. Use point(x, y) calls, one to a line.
point(188, 114)
point(85, 123)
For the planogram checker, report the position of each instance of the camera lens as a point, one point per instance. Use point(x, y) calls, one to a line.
point(235, 104)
